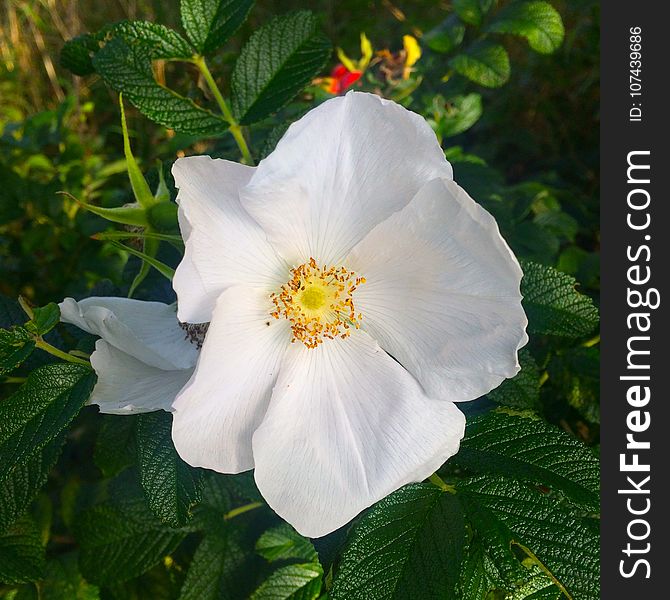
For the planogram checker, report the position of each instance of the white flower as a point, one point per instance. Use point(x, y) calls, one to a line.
point(143, 357)
point(352, 229)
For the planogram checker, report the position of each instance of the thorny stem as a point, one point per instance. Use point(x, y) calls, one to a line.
point(241, 510)
point(235, 128)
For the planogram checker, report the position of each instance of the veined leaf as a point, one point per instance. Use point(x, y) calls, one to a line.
point(45, 318)
point(171, 486)
point(409, 545)
point(40, 410)
point(21, 553)
point(158, 40)
point(209, 23)
point(530, 449)
point(292, 582)
point(539, 22)
point(279, 60)
point(284, 543)
point(484, 63)
point(523, 390)
point(127, 69)
point(19, 489)
point(121, 540)
point(446, 37)
point(16, 345)
point(553, 305)
point(115, 445)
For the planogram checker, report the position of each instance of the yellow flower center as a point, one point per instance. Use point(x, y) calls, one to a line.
point(318, 302)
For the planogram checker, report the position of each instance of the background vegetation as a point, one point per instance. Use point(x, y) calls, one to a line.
point(523, 143)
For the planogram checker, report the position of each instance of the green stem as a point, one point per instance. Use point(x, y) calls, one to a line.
point(235, 127)
point(435, 479)
point(241, 510)
point(47, 347)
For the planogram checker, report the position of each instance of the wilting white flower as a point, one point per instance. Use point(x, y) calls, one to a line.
point(144, 356)
point(355, 292)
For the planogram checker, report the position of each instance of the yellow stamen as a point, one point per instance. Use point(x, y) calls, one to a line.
point(318, 303)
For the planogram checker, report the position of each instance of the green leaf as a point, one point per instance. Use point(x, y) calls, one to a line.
point(161, 42)
point(77, 53)
point(575, 375)
point(446, 37)
point(40, 410)
point(409, 545)
point(16, 345)
point(461, 113)
point(21, 553)
point(539, 22)
point(292, 582)
point(484, 63)
point(511, 515)
point(171, 486)
point(553, 305)
point(472, 11)
point(127, 69)
point(209, 23)
point(220, 568)
point(121, 540)
point(19, 489)
point(284, 543)
point(279, 60)
point(530, 449)
point(523, 390)
point(44, 319)
point(115, 447)
point(63, 581)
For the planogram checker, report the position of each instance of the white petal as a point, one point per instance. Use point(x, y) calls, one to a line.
point(224, 245)
point(217, 413)
point(337, 172)
point(126, 385)
point(442, 293)
point(149, 331)
point(347, 425)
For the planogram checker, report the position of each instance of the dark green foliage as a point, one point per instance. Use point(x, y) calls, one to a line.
point(209, 23)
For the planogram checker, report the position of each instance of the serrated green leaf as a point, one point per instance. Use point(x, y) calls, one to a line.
point(283, 543)
point(115, 447)
point(159, 41)
point(44, 320)
point(484, 63)
point(575, 373)
point(292, 582)
point(22, 556)
point(120, 540)
point(19, 489)
point(127, 69)
point(523, 390)
point(553, 305)
point(171, 486)
point(409, 545)
point(539, 22)
point(16, 345)
point(279, 60)
point(209, 23)
point(40, 410)
point(530, 449)
point(221, 568)
point(510, 514)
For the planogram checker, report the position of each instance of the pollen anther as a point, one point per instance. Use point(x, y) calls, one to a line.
point(317, 302)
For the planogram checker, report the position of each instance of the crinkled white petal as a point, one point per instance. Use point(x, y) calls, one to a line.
point(149, 331)
point(347, 425)
point(225, 401)
point(337, 172)
point(127, 385)
point(224, 245)
point(442, 293)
